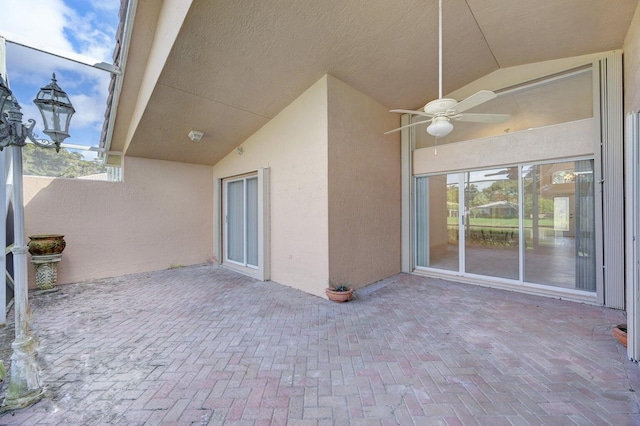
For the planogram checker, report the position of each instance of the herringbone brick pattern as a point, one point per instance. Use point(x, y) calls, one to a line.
point(203, 345)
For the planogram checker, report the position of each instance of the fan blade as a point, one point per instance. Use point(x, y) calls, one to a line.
point(474, 100)
point(407, 125)
point(481, 118)
point(408, 111)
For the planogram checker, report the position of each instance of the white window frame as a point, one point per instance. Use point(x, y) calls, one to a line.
point(262, 270)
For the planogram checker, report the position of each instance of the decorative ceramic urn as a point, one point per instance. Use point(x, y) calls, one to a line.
point(46, 253)
point(44, 245)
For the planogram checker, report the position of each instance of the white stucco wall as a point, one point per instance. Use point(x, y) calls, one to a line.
point(294, 146)
point(364, 188)
point(573, 139)
point(632, 65)
point(159, 217)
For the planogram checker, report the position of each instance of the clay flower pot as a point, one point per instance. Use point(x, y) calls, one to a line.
point(339, 295)
point(46, 245)
point(620, 333)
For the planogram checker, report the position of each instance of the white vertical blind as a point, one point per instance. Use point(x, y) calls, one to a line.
point(584, 226)
point(252, 222)
point(613, 180)
point(235, 221)
point(632, 240)
point(422, 221)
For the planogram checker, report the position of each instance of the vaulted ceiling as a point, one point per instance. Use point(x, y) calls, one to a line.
point(226, 67)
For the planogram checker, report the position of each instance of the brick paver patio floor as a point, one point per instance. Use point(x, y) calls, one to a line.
point(203, 345)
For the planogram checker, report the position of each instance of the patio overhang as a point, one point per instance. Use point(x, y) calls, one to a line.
point(227, 68)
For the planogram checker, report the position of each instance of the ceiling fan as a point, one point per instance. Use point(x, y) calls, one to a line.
point(441, 111)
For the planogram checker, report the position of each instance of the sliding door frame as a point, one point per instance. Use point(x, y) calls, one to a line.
point(262, 271)
point(520, 284)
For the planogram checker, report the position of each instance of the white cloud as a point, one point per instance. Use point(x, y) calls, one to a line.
point(89, 111)
point(60, 29)
point(110, 6)
point(91, 36)
point(41, 22)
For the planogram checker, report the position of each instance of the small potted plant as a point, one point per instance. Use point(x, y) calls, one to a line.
point(340, 293)
point(620, 333)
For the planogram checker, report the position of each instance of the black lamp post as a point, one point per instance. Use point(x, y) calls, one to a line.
point(24, 380)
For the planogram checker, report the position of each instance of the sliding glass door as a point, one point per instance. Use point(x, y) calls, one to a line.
point(528, 224)
point(437, 223)
point(559, 224)
point(491, 223)
point(241, 221)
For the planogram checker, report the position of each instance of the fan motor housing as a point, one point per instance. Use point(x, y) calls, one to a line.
point(439, 106)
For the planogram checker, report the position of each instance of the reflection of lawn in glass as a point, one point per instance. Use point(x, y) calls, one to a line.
point(498, 232)
point(501, 223)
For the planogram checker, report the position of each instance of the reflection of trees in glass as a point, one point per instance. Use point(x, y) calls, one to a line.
point(502, 190)
point(452, 193)
point(479, 199)
point(545, 205)
point(471, 192)
point(563, 176)
point(492, 207)
point(48, 162)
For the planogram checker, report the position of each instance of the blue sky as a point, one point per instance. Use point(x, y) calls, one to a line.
point(83, 29)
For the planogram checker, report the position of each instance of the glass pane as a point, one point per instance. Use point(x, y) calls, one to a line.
point(437, 222)
point(559, 225)
point(491, 223)
point(544, 104)
point(252, 221)
point(235, 221)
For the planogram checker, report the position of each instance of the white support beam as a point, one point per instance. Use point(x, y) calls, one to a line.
point(406, 149)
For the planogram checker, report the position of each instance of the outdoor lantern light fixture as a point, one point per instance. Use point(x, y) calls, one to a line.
point(56, 110)
point(24, 380)
point(5, 93)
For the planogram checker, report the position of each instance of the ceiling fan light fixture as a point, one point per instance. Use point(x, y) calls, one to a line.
point(440, 127)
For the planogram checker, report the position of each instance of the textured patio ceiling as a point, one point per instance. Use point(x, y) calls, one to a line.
point(235, 64)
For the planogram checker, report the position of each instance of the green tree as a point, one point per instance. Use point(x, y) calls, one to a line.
point(503, 190)
point(47, 162)
point(545, 205)
point(452, 193)
point(480, 199)
point(471, 191)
